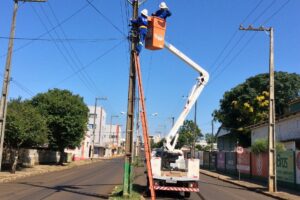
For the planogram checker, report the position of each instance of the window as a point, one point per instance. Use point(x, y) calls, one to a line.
point(92, 115)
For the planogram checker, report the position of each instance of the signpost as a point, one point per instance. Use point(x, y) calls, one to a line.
point(298, 167)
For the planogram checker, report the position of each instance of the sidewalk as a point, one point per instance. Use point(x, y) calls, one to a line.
point(42, 169)
point(260, 188)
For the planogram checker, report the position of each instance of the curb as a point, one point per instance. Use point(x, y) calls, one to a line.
point(245, 186)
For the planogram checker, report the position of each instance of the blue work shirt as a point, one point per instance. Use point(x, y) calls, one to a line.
point(141, 21)
point(162, 13)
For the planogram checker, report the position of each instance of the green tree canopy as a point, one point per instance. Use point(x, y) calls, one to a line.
point(247, 103)
point(189, 132)
point(25, 127)
point(67, 117)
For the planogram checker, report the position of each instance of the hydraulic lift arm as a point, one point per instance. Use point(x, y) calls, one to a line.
point(202, 80)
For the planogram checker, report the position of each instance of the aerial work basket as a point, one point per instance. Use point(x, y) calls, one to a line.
point(155, 39)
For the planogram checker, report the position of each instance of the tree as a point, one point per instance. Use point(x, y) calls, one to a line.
point(158, 144)
point(67, 117)
point(25, 127)
point(210, 139)
point(247, 103)
point(189, 132)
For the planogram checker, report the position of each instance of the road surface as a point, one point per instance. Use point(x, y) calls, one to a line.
point(93, 181)
point(214, 189)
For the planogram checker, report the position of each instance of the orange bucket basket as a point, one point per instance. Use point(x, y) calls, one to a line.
point(155, 39)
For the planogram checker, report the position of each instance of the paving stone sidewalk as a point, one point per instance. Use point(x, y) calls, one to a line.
point(42, 169)
point(260, 188)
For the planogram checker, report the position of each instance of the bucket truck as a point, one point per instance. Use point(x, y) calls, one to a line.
point(170, 169)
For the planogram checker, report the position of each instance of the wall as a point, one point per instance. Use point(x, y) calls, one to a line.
point(286, 129)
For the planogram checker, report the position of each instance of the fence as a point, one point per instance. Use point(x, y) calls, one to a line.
point(31, 157)
point(255, 166)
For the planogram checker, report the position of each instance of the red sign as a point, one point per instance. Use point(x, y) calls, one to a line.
point(239, 150)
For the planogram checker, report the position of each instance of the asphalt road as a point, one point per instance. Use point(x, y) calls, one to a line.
point(93, 181)
point(214, 189)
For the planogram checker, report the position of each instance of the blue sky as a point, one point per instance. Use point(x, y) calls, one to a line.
point(205, 30)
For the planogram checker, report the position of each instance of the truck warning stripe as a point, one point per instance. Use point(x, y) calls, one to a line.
point(179, 189)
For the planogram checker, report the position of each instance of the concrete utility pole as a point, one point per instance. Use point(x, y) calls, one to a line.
point(128, 170)
point(6, 79)
point(94, 125)
point(272, 182)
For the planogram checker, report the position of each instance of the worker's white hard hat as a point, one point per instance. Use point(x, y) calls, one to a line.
point(145, 12)
point(163, 5)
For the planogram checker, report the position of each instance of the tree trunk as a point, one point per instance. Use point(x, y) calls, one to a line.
point(14, 160)
point(62, 157)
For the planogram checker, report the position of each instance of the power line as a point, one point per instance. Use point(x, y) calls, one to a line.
point(21, 86)
point(264, 11)
point(233, 59)
point(84, 73)
point(53, 28)
point(255, 20)
point(91, 40)
point(92, 62)
point(67, 59)
point(106, 18)
point(276, 12)
point(235, 33)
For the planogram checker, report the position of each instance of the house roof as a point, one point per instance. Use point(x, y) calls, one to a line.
point(278, 119)
point(222, 131)
point(296, 100)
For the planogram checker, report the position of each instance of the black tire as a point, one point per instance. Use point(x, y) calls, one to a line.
point(187, 194)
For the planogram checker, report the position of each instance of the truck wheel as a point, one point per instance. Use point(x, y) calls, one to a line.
point(187, 194)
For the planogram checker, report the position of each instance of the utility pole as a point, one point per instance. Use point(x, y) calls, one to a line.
point(6, 79)
point(272, 182)
point(94, 125)
point(128, 170)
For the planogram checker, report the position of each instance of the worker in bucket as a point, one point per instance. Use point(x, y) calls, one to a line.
point(163, 11)
point(142, 23)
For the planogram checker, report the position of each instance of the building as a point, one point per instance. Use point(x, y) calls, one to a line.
point(226, 141)
point(99, 118)
point(287, 128)
point(105, 137)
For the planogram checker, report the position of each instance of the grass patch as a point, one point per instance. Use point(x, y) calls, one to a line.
point(117, 194)
point(138, 162)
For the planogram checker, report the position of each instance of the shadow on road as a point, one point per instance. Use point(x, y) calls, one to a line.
point(225, 186)
point(72, 189)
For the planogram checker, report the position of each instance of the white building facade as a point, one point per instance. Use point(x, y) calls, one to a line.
point(287, 131)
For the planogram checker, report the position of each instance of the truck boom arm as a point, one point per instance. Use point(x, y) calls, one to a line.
point(193, 96)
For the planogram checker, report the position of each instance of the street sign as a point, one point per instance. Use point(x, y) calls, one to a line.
point(239, 150)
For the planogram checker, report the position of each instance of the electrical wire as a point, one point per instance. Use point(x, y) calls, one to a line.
point(52, 29)
point(66, 55)
point(276, 12)
point(106, 18)
point(84, 73)
point(91, 40)
point(235, 33)
point(255, 20)
point(90, 63)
